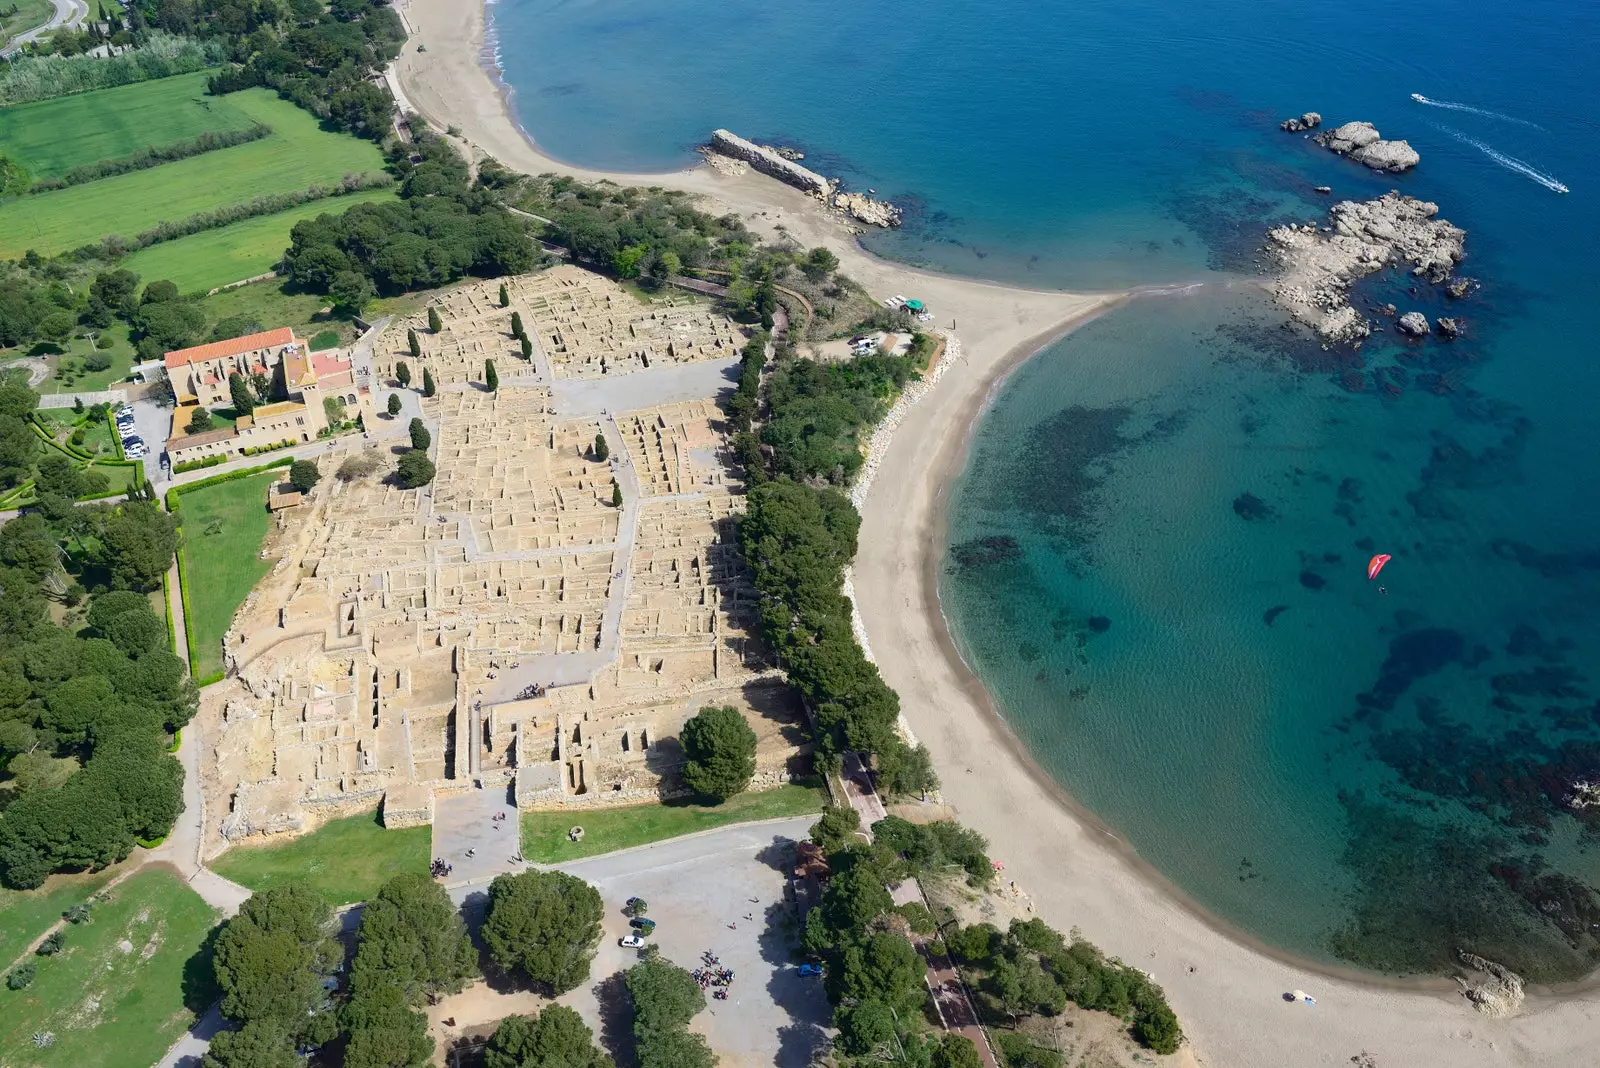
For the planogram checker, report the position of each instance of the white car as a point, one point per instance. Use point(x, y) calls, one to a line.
point(632, 941)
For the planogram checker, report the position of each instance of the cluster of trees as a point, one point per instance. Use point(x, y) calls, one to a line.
point(721, 751)
point(797, 540)
point(935, 848)
point(1031, 969)
point(665, 998)
point(543, 927)
point(50, 301)
point(440, 231)
point(156, 55)
point(555, 1038)
point(818, 412)
point(873, 974)
point(319, 56)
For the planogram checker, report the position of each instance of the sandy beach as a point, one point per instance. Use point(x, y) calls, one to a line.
point(1227, 993)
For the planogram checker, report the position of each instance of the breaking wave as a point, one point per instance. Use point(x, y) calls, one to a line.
point(1510, 163)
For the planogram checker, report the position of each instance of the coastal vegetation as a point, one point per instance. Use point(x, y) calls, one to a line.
point(342, 862)
point(545, 840)
point(104, 1004)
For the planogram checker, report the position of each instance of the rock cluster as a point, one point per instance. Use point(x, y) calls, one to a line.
point(1449, 328)
point(1413, 324)
point(1309, 121)
point(1498, 992)
point(1362, 142)
point(730, 153)
point(1318, 264)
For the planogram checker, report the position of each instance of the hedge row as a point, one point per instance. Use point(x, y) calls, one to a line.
point(153, 156)
point(176, 491)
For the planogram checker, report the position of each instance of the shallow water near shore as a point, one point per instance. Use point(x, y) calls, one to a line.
point(1158, 547)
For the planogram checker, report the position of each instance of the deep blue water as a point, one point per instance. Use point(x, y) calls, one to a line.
point(1185, 495)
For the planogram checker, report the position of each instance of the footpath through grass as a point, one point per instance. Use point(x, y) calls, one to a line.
point(125, 986)
point(343, 861)
point(299, 153)
point(544, 834)
point(112, 123)
point(27, 914)
point(204, 261)
point(223, 528)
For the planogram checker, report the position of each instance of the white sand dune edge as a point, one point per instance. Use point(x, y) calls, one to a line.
point(1231, 1002)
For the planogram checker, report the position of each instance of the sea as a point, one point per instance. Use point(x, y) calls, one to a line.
point(1158, 549)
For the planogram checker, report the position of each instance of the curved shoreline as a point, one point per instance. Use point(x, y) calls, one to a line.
point(1230, 1001)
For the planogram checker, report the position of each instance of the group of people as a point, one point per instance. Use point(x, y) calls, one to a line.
point(713, 976)
point(439, 869)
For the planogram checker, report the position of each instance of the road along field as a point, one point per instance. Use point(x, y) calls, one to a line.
point(296, 155)
point(112, 123)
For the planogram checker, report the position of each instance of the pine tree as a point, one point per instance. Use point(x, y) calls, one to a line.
point(428, 389)
point(434, 326)
point(415, 345)
point(402, 373)
point(490, 378)
point(505, 297)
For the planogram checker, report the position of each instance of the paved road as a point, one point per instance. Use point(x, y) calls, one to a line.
point(69, 13)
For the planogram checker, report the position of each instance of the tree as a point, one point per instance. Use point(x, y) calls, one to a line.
point(244, 401)
point(261, 386)
point(256, 1045)
point(667, 265)
point(350, 291)
point(616, 494)
point(527, 347)
point(505, 297)
point(665, 997)
point(837, 828)
point(627, 260)
point(414, 470)
point(303, 475)
point(721, 752)
point(200, 419)
point(556, 1038)
point(1158, 1028)
point(543, 925)
point(420, 438)
point(675, 1049)
point(385, 1031)
point(434, 326)
point(864, 1026)
point(137, 543)
point(491, 379)
point(159, 292)
point(402, 373)
point(18, 447)
point(270, 961)
point(394, 404)
point(955, 1051)
point(413, 937)
point(428, 389)
point(358, 466)
point(516, 322)
point(819, 263)
point(414, 345)
point(602, 451)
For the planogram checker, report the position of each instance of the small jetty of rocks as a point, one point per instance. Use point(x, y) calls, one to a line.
point(732, 154)
point(1360, 141)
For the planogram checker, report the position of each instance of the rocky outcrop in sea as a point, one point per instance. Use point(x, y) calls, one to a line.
point(780, 163)
point(1309, 121)
point(1317, 265)
point(1362, 142)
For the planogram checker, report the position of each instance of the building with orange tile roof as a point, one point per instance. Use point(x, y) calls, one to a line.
point(199, 374)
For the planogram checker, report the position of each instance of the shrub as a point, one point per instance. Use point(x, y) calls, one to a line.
point(53, 944)
point(303, 475)
point(414, 470)
point(104, 342)
point(98, 360)
point(357, 467)
point(21, 975)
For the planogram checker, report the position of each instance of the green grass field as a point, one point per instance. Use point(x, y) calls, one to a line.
point(67, 371)
point(27, 914)
point(544, 834)
point(124, 988)
point(30, 13)
point(214, 258)
point(223, 527)
point(111, 123)
point(343, 860)
point(297, 154)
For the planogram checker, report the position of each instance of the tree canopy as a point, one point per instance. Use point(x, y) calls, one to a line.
point(543, 926)
point(271, 960)
point(721, 752)
point(556, 1038)
point(665, 998)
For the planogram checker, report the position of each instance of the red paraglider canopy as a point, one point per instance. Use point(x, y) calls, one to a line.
point(1375, 565)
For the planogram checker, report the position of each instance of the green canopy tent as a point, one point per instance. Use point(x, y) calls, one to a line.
point(914, 305)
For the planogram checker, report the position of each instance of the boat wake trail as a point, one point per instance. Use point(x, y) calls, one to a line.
point(1452, 106)
point(1508, 162)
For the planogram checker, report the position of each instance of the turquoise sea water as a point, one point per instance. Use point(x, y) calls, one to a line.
point(1159, 545)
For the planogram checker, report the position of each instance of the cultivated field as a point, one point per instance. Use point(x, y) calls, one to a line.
point(296, 155)
point(124, 987)
point(243, 250)
point(112, 123)
point(343, 861)
point(223, 528)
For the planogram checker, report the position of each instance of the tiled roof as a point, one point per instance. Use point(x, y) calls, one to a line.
point(326, 363)
point(232, 347)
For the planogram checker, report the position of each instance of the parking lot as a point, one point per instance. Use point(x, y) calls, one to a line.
point(152, 421)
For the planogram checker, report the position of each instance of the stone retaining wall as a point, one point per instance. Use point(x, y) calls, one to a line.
point(770, 163)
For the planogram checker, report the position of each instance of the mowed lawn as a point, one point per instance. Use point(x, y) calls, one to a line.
point(545, 841)
point(223, 528)
point(343, 861)
point(296, 155)
point(204, 261)
point(124, 987)
point(112, 123)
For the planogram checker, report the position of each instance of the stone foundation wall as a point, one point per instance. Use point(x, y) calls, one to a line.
point(770, 163)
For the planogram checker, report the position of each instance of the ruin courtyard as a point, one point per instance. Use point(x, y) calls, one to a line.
point(505, 627)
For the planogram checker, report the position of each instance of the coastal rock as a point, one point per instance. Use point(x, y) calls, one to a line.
point(1362, 142)
point(1497, 991)
point(1449, 328)
point(1413, 324)
point(1316, 268)
point(866, 209)
point(1459, 287)
point(1309, 121)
